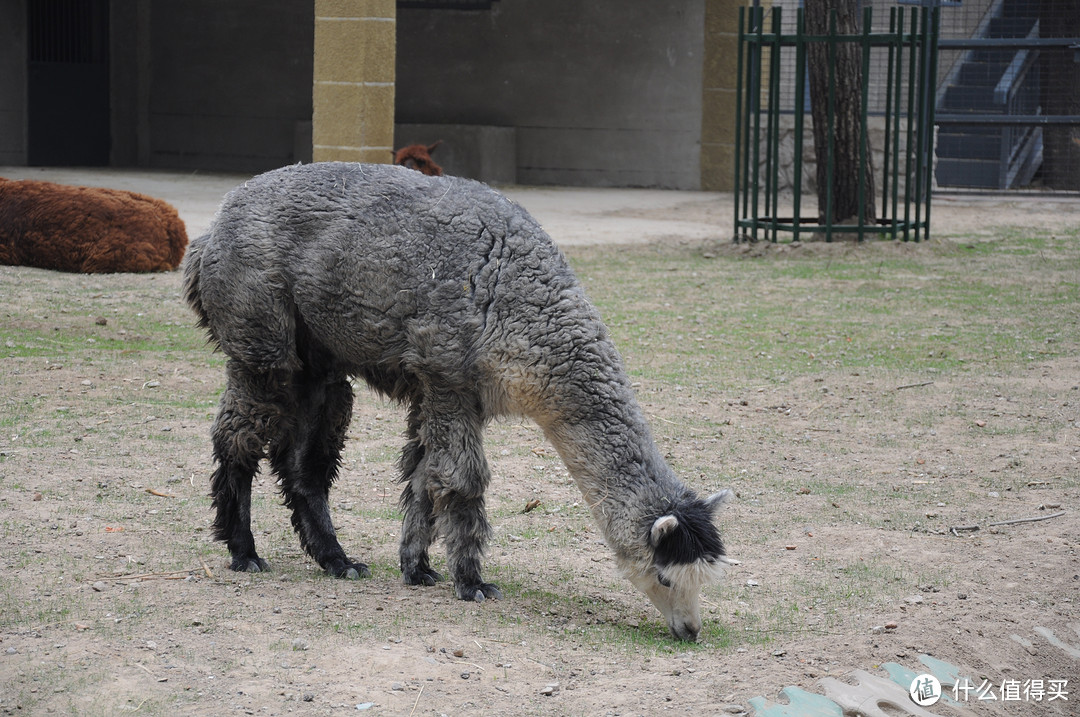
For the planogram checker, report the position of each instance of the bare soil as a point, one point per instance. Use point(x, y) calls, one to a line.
point(114, 600)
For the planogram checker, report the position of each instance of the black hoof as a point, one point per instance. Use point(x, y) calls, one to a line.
point(253, 564)
point(478, 592)
point(348, 570)
point(421, 576)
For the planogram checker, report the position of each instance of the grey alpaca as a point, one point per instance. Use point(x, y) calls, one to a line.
point(446, 296)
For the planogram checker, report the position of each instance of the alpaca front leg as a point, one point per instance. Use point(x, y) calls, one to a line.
point(454, 476)
point(417, 527)
point(463, 524)
point(417, 533)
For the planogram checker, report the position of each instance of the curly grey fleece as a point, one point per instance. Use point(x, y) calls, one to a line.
point(445, 295)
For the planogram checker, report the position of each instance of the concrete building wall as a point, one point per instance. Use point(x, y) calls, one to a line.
point(13, 147)
point(230, 84)
point(600, 93)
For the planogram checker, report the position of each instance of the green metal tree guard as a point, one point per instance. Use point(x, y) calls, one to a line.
point(908, 54)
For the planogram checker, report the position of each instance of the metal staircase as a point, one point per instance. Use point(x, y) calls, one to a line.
point(994, 81)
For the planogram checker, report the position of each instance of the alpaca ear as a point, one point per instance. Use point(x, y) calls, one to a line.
point(431, 148)
point(663, 526)
point(714, 501)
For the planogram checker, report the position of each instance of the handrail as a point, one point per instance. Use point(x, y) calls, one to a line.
point(1006, 86)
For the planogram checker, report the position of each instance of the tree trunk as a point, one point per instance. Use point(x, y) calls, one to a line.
point(847, 111)
point(1060, 94)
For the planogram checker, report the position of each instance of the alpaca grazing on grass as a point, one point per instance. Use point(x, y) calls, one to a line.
point(446, 296)
point(87, 229)
point(418, 157)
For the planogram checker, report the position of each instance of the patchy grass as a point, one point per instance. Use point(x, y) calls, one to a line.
point(860, 400)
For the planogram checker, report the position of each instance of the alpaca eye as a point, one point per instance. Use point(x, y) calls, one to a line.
point(662, 580)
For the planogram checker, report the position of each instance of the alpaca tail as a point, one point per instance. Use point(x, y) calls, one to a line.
point(192, 267)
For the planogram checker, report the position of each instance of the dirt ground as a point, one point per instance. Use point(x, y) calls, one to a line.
point(114, 600)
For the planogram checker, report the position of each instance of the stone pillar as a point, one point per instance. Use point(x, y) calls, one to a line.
point(353, 88)
point(718, 94)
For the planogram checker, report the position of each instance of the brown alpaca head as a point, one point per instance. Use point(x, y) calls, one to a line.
point(418, 157)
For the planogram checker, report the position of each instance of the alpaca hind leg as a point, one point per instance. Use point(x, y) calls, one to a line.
point(456, 475)
point(307, 464)
point(246, 418)
point(417, 527)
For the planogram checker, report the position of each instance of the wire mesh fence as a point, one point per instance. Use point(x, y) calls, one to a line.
point(1008, 104)
point(1006, 92)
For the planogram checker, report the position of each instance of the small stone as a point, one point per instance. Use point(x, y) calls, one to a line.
point(877, 629)
point(308, 697)
point(99, 586)
point(961, 596)
point(752, 583)
point(37, 496)
point(365, 706)
point(466, 675)
point(891, 626)
point(299, 644)
point(914, 600)
point(779, 653)
point(397, 687)
point(549, 689)
point(459, 653)
point(101, 321)
point(734, 709)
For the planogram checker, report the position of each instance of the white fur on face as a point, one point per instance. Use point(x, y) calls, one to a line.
point(680, 601)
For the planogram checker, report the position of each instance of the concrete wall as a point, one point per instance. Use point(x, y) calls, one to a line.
point(601, 93)
point(13, 83)
point(205, 84)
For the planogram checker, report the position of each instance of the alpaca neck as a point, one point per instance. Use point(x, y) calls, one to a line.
point(611, 455)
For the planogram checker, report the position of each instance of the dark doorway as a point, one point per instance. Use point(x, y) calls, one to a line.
point(68, 82)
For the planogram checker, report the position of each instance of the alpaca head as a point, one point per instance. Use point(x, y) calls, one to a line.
point(685, 554)
point(418, 157)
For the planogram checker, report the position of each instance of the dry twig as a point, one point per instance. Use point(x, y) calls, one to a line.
point(955, 530)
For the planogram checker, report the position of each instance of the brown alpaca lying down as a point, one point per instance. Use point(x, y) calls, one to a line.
point(87, 229)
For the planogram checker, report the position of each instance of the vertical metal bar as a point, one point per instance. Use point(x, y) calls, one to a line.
point(800, 102)
point(830, 127)
point(931, 94)
point(749, 89)
point(767, 108)
point(864, 139)
point(755, 169)
point(910, 116)
point(772, 162)
point(920, 147)
point(890, 51)
point(740, 121)
point(898, 81)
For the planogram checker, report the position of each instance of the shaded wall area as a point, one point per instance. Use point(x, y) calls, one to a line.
point(603, 93)
point(191, 84)
point(204, 84)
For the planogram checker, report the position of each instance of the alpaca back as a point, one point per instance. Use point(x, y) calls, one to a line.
point(392, 271)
